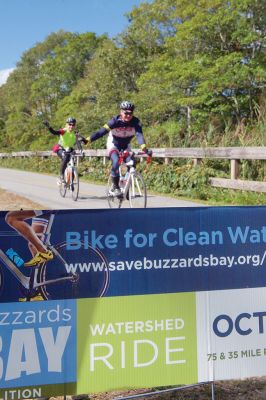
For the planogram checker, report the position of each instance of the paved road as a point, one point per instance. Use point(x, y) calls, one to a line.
point(43, 190)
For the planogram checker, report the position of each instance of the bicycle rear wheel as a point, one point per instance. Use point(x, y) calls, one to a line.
point(113, 201)
point(74, 274)
point(137, 191)
point(74, 186)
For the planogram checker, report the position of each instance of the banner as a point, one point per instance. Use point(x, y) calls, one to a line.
point(131, 299)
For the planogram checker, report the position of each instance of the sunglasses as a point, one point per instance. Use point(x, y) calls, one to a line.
point(71, 124)
point(128, 112)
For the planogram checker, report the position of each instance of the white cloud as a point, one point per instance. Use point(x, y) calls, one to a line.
point(4, 73)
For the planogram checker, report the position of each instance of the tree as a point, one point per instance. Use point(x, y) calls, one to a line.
point(45, 75)
point(61, 71)
point(214, 64)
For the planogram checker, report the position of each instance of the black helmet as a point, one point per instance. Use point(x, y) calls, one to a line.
point(71, 120)
point(127, 105)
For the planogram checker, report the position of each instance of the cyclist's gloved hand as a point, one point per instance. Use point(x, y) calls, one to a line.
point(88, 141)
point(46, 123)
point(146, 150)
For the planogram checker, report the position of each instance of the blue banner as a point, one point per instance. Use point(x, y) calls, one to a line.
point(132, 252)
point(203, 268)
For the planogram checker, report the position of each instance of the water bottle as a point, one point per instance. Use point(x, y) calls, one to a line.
point(122, 182)
point(17, 260)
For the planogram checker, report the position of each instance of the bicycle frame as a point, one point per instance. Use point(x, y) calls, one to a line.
point(24, 280)
point(127, 178)
point(71, 164)
point(73, 160)
point(71, 175)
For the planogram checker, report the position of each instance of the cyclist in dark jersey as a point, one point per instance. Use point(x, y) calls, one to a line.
point(120, 129)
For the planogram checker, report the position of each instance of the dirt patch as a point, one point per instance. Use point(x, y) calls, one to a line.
point(10, 201)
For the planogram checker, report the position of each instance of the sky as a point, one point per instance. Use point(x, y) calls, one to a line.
point(27, 22)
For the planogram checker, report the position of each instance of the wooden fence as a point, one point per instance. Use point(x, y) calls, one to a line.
point(234, 154)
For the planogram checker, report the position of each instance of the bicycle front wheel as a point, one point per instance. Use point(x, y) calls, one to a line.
point(137, 191)
point(74, 186)
point(62, 189)
point(74, 274)
point(113, 201)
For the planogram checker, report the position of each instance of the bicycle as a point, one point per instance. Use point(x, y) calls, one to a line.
point(62, 277)
point(71, 178)
point(131, 183)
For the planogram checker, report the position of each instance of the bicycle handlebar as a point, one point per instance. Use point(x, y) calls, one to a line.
point(125, 153)
point(144, 153)
point(147, 154)
point(75, 152)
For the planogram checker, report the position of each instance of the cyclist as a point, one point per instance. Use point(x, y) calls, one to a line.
point(69, 139)
point(34, 234)
point(121, 129)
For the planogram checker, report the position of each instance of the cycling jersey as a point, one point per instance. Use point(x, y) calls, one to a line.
point(120, 132)
point(67, 137)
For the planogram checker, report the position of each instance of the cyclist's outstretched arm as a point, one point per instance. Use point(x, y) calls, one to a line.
point(52, 130)
point(141, 140)
point(100, 133)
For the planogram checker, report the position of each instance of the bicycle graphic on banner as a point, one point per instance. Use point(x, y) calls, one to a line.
point(63, 277)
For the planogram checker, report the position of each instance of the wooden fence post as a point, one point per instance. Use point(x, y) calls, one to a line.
point(196, 161)
point(234, 169)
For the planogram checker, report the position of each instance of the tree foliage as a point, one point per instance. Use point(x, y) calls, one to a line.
point(213, 66)
point(195, 69)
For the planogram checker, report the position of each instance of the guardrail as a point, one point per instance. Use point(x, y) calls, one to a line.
point(234, 154)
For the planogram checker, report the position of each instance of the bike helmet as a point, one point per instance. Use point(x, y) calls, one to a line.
point(71, 120)
point(127, 105)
